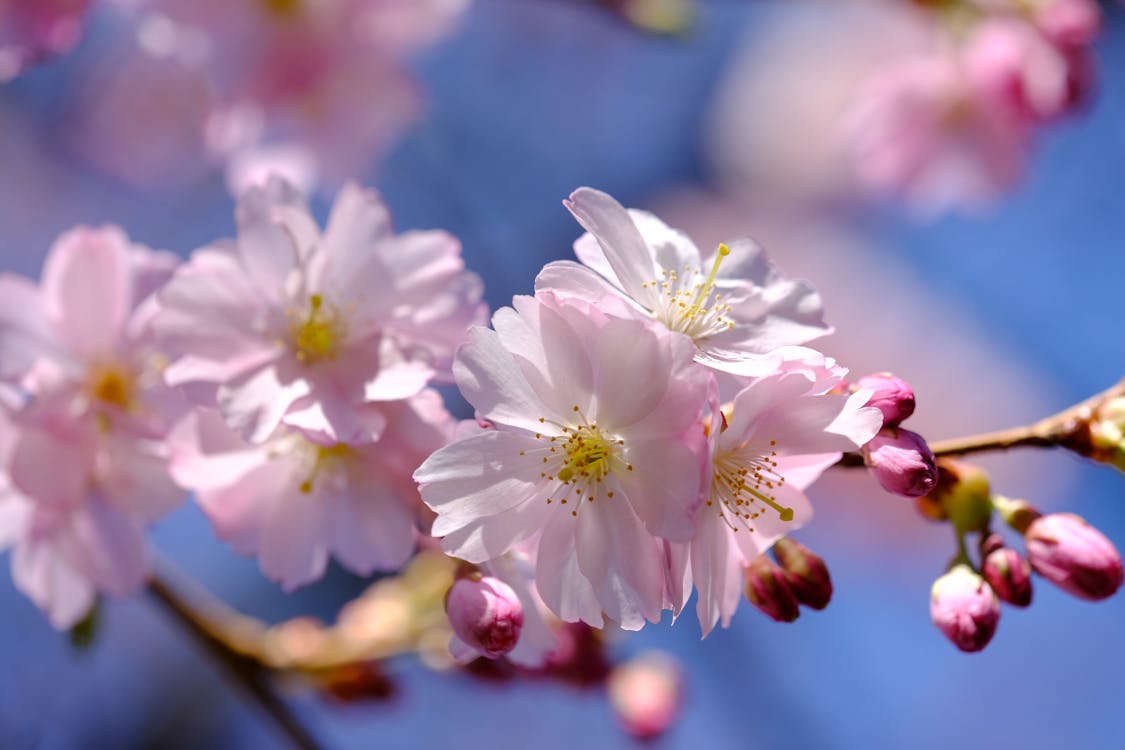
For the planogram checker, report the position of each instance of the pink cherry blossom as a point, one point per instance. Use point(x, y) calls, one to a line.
point(596, 455)
point(732, 304)
point(294, 503)
point(288, 324)
point(774, 440)
point(921, 131)
point(82, 465)
point(32, 30)
point(326, 79)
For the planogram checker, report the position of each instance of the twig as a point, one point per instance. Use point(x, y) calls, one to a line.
point(1067, 429)
point(253, 677)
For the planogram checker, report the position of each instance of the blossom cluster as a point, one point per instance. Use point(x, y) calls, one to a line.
point(283, 376)
point(953, 122)
point(646, 424)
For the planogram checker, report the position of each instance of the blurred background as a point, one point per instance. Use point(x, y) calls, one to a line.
point(996, 304)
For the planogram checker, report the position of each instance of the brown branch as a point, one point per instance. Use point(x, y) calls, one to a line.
point(254, 678)
point(1068, 429)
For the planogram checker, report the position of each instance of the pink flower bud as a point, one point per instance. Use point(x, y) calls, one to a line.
point(486, 614)
point(893, 396)
point(902, 462)
point(1074, 556)
point(1069, 23)
point(1006, 571)
point(805, 572)
point(965, 608)
point(768, 590)
point(646, 693)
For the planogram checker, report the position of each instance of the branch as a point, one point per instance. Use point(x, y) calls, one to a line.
point(253, 677)
point(1069, 428)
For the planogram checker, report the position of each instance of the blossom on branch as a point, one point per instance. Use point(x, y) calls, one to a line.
point(83, 465)
point(596, 455)
point(733, 305)
point(290, 325)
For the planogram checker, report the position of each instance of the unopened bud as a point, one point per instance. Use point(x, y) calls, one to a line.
point(1006, 571)
point(892, 396)
point(646, 693)
point(1068, 23)
point(965, 495)
point(486, 614)
point(805, 572)
point(901, 462)
point(964, 608)
point(768, 590)
point(1074, 556)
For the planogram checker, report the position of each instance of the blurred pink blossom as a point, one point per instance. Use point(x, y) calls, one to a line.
point(290, 325)
point(33, 30)
point(83, 465)
point(293, 503)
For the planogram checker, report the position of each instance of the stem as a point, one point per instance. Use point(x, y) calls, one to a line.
point(254, 679)
point(1068, 428)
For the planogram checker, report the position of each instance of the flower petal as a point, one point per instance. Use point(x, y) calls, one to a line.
point(625, 249)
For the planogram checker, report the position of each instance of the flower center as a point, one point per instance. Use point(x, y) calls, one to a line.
point(281, 8)
point(742, 486)
point(316, 336)
point(581, 459)
point(687, 303)
point(113, 385)
point(326, 459)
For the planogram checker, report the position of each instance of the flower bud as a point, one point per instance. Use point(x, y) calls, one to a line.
point(892, 396)
point(485, 613)
point(901, 461)
point(965, 495)
point(646, 693)
point(965, 608)
point(1068, 23)
point(768, 590)
point(1074, 556)
point(1006, 571)
point(805, 572)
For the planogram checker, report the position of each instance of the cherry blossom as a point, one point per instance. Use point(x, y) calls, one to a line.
point(288, 324)
point(33, 30)
point(596, 455)
point(733, 304)
point(294, 503)
point(82, 462)
point(774, 440)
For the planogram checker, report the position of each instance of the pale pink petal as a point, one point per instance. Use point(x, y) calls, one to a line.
point(622, 562)
point(491, 380)
point(108, 546)
point(15, 515)
point(25, 333)
point(570, 279)
point(802, 470)
point(293, 550)
point(358, 222)
point(716, 566)
point(557, 578)
point(665, 486)
point(268, 252)
point(802, 426)
point(671, 249)
point(480, 476)
point(326, 421)
point(371, 527)
point(489, 537)
point(51, 469)
point(622, 243)
point(45, 577)
point(255, 404)
point(137, 480)
point(87, 290)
